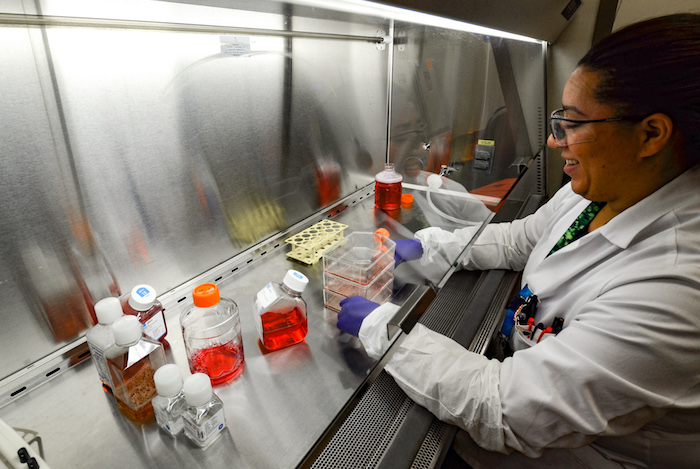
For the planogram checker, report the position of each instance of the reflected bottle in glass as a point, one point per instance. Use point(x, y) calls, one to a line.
point(387, 189)
point(133, 361)
point(281, 312)
point(100, 337)
point(211, 329)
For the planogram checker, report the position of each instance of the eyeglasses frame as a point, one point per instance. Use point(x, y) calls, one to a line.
point(552, 118)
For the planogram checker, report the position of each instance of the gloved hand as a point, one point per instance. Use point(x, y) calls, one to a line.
point(354, 310)
point(407, 250)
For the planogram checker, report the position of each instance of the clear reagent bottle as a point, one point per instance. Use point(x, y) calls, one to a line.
point(281, 312)
point(387, 188)
point(169, 404)
point(133, 361)
point(203, 417)
point(142, 303)
point(100, 337)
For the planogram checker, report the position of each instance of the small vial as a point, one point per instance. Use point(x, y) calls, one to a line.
point(387, 188)
point(100, 337)
point(203, 417)
point(133, 361)
point(281, 312)
point(143, 304)
point(169, 404)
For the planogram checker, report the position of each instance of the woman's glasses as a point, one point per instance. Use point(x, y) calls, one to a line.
point(567, 131)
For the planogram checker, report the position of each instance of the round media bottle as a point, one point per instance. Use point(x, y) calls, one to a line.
point(100, 337)
point(281, 312)
point(169, 404)
point(133, 361)
point(212, 333)
point(203, 417)
point(387, 188)
point(142, 303)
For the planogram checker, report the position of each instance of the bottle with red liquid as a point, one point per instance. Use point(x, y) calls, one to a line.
point(387, 188)
point(281, 312)
point(143, 304)
point(133, 361)
point(212, 333)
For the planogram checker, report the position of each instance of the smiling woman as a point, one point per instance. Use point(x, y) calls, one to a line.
point(609, 377)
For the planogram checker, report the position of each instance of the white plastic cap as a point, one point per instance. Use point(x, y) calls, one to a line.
point(434, 181)
point(108, 310)
point(295, 280)
point(168, 380)
point(197, 389)
point(127, 329)
point(142, 297)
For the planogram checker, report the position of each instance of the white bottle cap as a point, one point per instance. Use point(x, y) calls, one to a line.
point(295, 280)
point(142, 297)
point(197, 389)
point(127, 329)
point(108, 310)
point(168, 380)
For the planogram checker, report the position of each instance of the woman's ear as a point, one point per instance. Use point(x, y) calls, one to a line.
point(655, 132)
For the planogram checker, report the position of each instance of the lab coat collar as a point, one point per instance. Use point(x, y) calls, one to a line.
point(680, 192)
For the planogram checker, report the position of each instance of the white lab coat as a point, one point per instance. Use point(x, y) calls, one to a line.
point(625, 370)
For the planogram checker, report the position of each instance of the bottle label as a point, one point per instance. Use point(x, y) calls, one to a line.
point(155, 327)
point(98, 358)
point(206, 430)
point(263, 300)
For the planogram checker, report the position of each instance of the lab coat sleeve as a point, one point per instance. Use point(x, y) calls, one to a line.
point(458, 386)
point(373, 332)
point(499, 246)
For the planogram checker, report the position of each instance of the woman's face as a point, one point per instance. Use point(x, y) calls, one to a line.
point(602, 167)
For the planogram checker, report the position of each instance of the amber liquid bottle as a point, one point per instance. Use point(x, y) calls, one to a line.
point(133, 361)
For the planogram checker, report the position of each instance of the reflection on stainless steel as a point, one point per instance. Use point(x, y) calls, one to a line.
point(152, 155)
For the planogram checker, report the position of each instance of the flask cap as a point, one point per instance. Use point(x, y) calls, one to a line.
point(127, 329)
point(206, 295)
point(142, 297)
point(197, 389)
point(295, 280)
point(168, 380)
point(108, 310)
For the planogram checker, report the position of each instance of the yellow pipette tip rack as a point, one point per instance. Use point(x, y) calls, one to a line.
point(309, 245)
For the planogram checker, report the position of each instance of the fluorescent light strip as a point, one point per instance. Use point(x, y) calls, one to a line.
point(363, 7)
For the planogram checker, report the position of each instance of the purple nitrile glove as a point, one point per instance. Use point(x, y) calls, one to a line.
point(354, 309)
point(407, 250)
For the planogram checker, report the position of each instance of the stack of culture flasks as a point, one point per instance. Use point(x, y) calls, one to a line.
point(361, 264)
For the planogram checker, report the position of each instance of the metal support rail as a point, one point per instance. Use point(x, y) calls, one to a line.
point(12, 19)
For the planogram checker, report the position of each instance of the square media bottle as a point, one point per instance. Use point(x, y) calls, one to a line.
point(281, 312)
point(133, 361)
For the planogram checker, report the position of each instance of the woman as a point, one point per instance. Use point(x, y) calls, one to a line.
point(614, 260)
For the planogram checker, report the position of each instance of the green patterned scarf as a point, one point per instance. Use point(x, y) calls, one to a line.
point(579, 227)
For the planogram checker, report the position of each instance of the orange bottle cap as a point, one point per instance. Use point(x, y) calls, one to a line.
point(381, 235)
point(406, 199)
point(206, 295)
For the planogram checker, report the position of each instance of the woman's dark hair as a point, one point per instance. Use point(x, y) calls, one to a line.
point(654, 66)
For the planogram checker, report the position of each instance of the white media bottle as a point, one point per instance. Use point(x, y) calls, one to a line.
point(204, 416)
point(169, 404)
point(100, 337)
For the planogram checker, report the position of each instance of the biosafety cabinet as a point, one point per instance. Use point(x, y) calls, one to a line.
point(175, 143)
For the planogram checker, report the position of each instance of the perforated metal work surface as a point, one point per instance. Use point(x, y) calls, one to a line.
point(365, 434)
